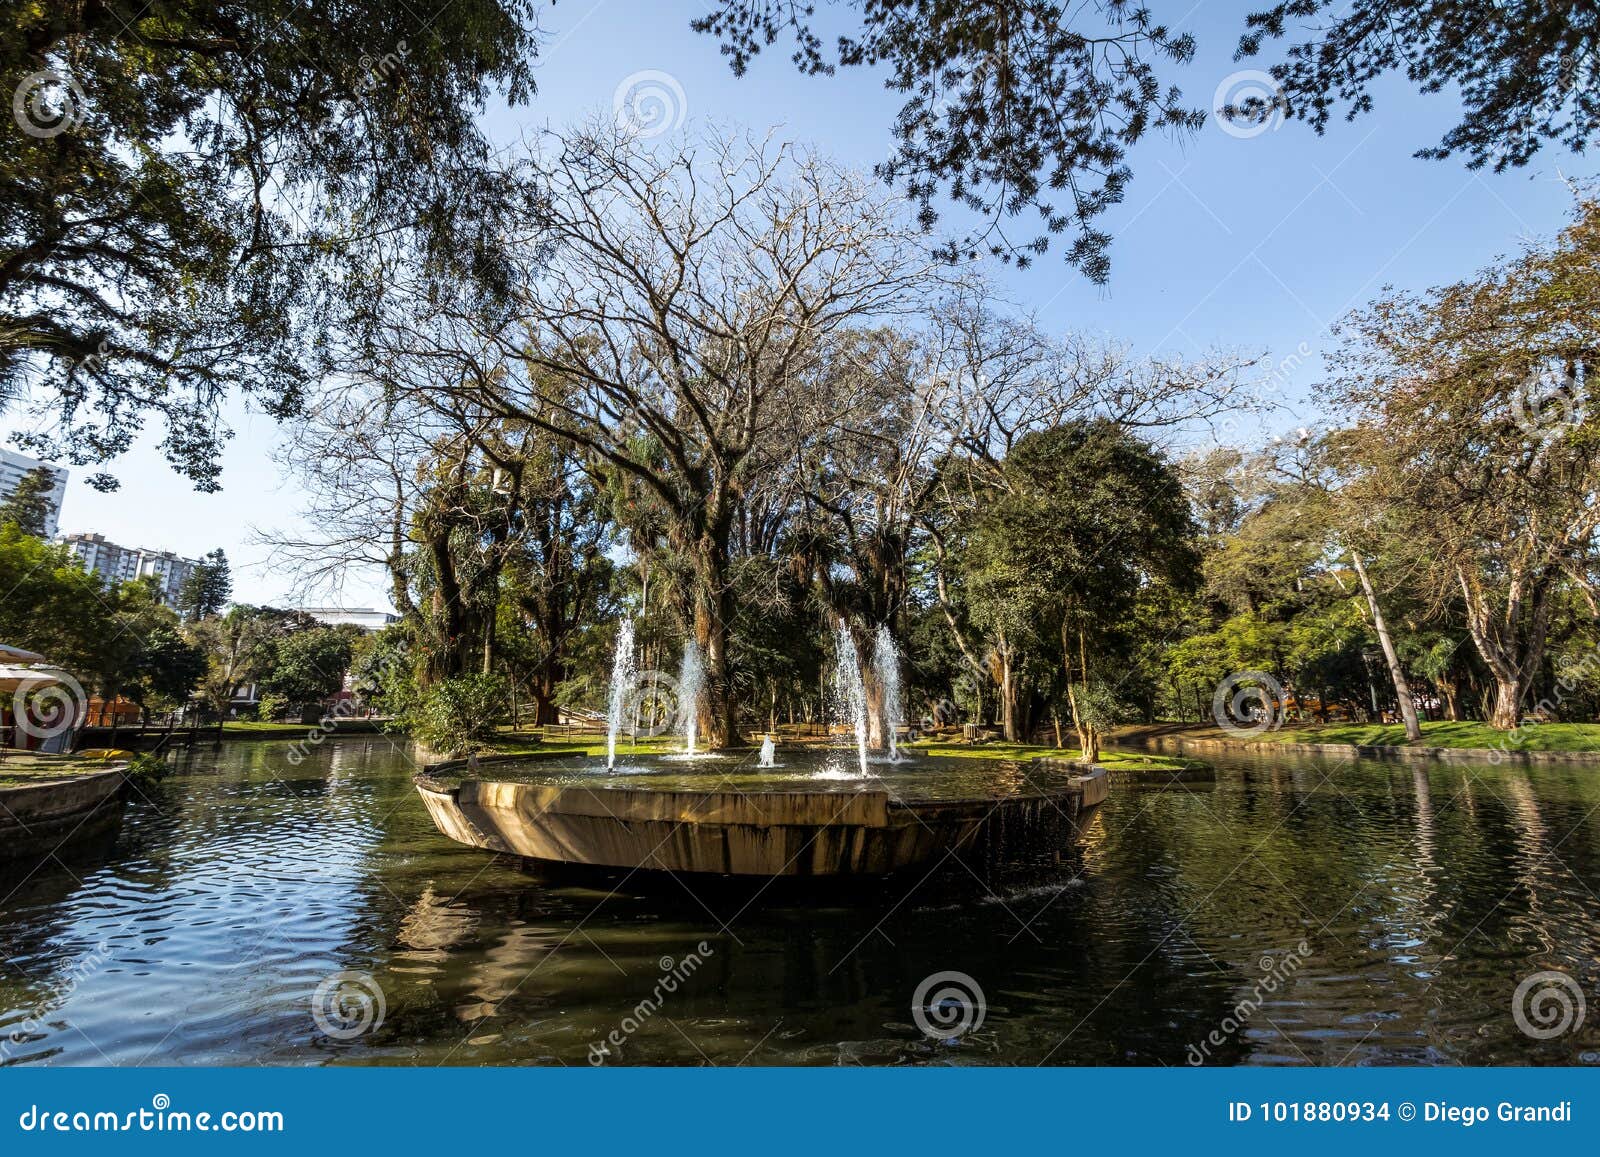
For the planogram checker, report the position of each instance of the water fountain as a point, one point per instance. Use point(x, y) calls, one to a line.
point(622, 679)
point(684, 812)
point(691, 680)
point(886, 664)
point(849, 690)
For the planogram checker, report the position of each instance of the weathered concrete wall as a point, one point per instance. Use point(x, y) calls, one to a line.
point(745, 833)
point(37, 818)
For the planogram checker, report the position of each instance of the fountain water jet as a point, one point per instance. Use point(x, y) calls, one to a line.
point(622, 679)
point(886, 663)
point(849, 689)
point(691, 679)
point(768, 751)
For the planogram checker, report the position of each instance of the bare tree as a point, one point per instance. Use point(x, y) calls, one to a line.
point(675, 298)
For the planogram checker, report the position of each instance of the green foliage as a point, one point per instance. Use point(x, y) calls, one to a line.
point(28, 506)
point(207, 588)
point(460, 715)
point(310, 666)
point(158, 254)
point(51, 604)
point(382, 670)
point(148, 768)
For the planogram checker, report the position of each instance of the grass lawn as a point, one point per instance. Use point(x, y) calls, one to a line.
point(1533, 737)
point(525, 743)
point(254, 729)
point(20, 768)
point(1463, 736)
point(1127, 760)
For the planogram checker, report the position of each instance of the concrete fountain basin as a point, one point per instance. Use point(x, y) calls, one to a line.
point(752, 824)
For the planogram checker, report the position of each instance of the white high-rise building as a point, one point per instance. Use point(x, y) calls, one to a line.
point(115, 563)
point(14, 467)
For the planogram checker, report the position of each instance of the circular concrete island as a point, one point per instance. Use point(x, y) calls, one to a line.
point(814, 814)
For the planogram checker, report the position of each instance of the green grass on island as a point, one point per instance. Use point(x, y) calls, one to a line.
point(21, 768)
point(525, 743)
point(1114, 760)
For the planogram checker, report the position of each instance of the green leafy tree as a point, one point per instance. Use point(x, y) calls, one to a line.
point(309, 667)
point(28, 506)
point(1033, 107)
point(52, 605)
point(1084, 517)
point(157, 251)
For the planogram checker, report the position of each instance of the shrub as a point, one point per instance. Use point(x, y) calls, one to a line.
point(459, 715)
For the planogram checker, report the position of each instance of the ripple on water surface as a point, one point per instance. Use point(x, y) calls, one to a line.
point(1366, 912)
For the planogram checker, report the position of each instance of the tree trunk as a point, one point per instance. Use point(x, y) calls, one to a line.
point(718, 719)
point(1402, 690)
point(1507, 704)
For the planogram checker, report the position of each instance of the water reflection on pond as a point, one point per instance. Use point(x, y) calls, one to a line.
point(201, 930)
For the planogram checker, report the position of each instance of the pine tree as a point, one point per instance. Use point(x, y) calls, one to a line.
point(30, 504)
point(207, 589)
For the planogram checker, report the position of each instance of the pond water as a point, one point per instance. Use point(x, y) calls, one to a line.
point(1364, 913)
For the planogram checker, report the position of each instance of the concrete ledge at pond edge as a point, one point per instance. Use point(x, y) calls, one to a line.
point(1182, 744)
point(36, 818)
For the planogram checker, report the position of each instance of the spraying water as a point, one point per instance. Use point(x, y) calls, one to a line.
point(768, 751)
point(622, 677)
point(886, 663)
point(848, 688)
point(691, 679)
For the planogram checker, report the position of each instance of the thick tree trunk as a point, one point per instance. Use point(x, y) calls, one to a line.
point(1402, 690)
point(1507, 704)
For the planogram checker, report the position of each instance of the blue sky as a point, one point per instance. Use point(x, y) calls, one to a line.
point(1252, 245)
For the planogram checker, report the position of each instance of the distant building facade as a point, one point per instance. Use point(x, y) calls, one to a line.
point(115, 563)
point(367, 619)
point(14, 467)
